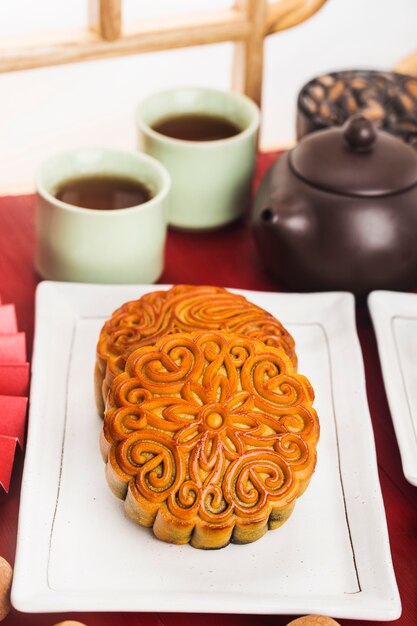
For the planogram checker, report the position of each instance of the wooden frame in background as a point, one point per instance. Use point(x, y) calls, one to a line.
point(246, 23)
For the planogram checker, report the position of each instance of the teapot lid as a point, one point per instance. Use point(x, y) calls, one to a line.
point(355, 160)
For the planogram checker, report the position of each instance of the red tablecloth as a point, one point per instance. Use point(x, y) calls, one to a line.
point(226, 257)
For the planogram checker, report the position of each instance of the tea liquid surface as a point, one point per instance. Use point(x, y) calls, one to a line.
point(104, 193)
point(197, 127)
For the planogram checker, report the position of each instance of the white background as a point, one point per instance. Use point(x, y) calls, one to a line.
point(48, 110)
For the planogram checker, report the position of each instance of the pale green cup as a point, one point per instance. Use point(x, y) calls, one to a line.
point(211, 180)
point(101, 246)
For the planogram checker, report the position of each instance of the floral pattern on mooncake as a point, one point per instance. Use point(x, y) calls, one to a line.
point(209, 437)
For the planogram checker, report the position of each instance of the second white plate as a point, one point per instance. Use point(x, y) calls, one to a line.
point(78, 551)
point(394, 316)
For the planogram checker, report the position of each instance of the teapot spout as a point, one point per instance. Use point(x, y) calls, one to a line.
point(269, 216)
point(288, 218)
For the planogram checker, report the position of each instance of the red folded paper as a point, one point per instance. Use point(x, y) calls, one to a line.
point(13, 418)
point(13, 348)
point(14, 382)
point(7, 451)
point(8, 321)
point(14, 379)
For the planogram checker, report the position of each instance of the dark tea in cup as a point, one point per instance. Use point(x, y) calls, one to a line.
point(197, 127)
point(103, 193)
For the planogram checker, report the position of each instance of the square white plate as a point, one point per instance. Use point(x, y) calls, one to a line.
point(394, 316)
point(78, 551)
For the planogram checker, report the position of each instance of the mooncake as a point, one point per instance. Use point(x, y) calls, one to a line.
point(209, 437)
point(181, 308)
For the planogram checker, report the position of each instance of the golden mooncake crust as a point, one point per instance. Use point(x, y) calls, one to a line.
point(182, 308)
point(209, 437)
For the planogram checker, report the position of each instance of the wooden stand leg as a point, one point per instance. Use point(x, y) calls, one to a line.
point(249, 54)
point(106, 18)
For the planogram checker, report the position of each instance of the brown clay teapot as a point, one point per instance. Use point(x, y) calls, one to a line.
point(339, 212)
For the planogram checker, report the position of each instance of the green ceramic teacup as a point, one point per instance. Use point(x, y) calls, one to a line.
point(101, 246)
point(211, 180)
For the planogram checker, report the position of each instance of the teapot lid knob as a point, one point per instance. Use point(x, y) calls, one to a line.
point(359, 133)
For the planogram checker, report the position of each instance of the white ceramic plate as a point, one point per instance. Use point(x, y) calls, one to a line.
point(394, 316)
point(78, 551)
